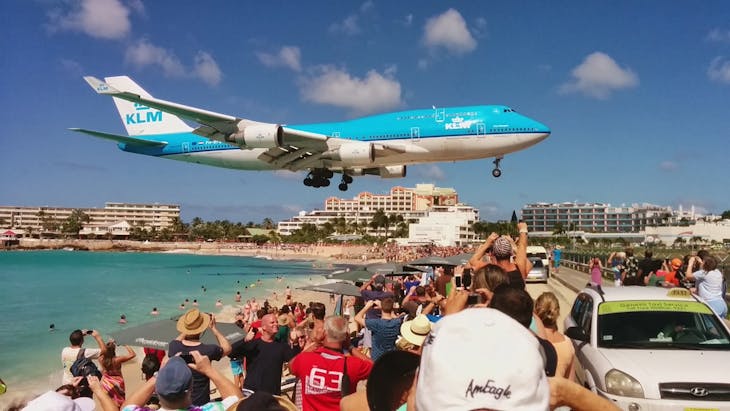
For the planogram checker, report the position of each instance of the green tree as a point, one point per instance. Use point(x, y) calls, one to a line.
point(268, 224)
point(725, 215)
point(75, 221)
point(514, 217)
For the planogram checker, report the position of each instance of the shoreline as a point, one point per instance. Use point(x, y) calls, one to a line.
point(325, 254)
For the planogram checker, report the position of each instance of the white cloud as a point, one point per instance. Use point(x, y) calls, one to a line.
point(668, 165)
point(375, 92)
point(429, 171)
point(348, 26)
point(207, 69)
point(719, 70)
point(408, 20)
point(367, 6)
point(722, 36)
point(287, 56)
point(598, 76)
point(143, 54)
point(105, 19)
point(448, 30)
point(423, 64)
point(71, 66)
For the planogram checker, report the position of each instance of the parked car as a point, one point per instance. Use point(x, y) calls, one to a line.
point(539, 271)
point(649, 348)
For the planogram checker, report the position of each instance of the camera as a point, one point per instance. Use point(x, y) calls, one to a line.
point(458, 281)
point(188, 358)
point(474, 298)
point(89, 332)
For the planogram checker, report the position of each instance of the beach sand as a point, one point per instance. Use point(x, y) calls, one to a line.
point(132, 369)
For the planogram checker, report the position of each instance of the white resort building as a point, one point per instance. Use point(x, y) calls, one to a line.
point(114, 219)
point(434, 213)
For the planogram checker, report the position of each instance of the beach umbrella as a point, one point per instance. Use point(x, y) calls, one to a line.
point(352, 276)
point(460, 259)
point(158, 334)
point(392, 268)
point(340, 288)
point(433, 261)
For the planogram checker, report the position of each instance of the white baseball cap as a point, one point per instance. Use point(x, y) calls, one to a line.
point(53, 401)
point(481, 358)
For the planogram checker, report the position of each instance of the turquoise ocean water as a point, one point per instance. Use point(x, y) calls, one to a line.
point(76, 289)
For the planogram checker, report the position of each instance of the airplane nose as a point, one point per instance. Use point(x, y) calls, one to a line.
point(542, 128)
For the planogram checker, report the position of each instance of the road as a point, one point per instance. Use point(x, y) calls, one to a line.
point(565, 286)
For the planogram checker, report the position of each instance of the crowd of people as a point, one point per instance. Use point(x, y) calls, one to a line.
point(698, 272)
point(455, 338)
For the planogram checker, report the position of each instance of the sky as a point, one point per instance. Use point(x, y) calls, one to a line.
point(637, 95)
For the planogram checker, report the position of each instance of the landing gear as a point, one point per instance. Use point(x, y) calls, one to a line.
point(497, 172)
point(345, 181)
point(320, 177)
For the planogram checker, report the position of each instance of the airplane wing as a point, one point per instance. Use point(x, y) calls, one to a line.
point(120, 139)
point(286, 147)
point(217, 126)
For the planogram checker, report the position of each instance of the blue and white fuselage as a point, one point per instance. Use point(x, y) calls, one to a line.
point(381, 144)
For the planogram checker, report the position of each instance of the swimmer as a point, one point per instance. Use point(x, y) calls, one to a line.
point(187, 301)
point(205, 289)
point(219, 303)
point(154, 311)
point(181, 307)
point(195, 303)
point(122, 319)
point(238, 296)
point(52, 327)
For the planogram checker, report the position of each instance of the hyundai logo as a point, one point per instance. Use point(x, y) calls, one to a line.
point(699, 391)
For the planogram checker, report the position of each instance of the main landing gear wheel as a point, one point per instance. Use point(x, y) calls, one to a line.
point(497, 172)
point(345, 181)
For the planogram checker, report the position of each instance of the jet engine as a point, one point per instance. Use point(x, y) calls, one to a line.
point(257, 135)
point(356, 153)
point(392, 171)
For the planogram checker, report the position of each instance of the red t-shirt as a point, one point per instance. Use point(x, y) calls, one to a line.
point(320, 373)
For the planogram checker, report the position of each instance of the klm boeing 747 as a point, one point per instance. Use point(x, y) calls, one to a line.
point(380, 145)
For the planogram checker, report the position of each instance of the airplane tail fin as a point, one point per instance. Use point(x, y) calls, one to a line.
point(141, 120)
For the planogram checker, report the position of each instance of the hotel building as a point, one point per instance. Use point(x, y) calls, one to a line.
point(157, 216)
point(427, 208)
point(594, 217)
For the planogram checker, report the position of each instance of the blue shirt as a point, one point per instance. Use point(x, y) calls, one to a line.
point(556, 254)
point(385, 332)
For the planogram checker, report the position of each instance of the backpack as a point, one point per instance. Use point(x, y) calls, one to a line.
point(83, 367)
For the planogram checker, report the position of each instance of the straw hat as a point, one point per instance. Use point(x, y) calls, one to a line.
point(416, 330)
point(193, 322)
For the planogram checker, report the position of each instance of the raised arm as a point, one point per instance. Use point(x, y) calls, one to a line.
point(521, 261)
point(99, 341)
point(222, 341)
point(476, 260)
point(360, 316)
point(367, 284)
point(124, 358)
point(142, 395)
point(107, 404)
point(225, 386)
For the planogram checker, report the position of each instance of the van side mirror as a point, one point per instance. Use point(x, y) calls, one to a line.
point(576, 333)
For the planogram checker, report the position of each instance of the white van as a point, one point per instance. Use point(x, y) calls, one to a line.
point(538, 251)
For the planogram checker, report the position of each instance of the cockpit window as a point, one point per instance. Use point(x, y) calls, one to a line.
point(508, 110)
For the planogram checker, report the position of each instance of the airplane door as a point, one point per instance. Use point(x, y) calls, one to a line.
point(440, 115)
point(416, 133)
point(186, 147)
point(481, 130)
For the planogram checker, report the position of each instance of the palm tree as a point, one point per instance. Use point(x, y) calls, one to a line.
point(558, 229)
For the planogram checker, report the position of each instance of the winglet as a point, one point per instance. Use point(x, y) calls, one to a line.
point(100, 86)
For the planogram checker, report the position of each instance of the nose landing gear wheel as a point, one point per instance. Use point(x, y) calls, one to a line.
point(342, 187)
point(496, 172)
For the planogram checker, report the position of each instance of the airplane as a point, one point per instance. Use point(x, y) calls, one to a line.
point(382, 144)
